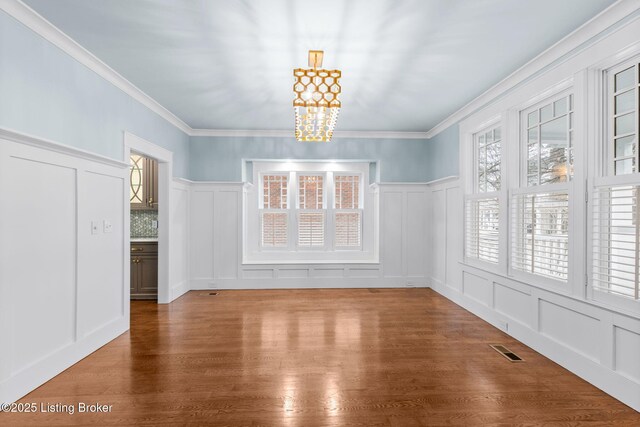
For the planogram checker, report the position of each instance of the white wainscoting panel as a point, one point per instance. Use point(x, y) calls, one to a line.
point(391, 232)
point(99, 302)
point(477, 288)
point(62, 285)
point(569, 328)
point(439, 235)
point(513, 303)
point(416, 224)
point(215, 252)
point(627, 349)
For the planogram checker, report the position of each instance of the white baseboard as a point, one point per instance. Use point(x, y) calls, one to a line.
point(180, 289)
point(309, 283)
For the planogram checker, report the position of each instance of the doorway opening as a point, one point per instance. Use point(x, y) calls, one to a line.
point(143, 204)
point(147, 210)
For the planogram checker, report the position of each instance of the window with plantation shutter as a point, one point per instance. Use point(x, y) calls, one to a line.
point(482, 208)
point(615, 274)
point(348, 215)
point(540, 207)
point(310, 211)
point(273, 215)
point(311, 215)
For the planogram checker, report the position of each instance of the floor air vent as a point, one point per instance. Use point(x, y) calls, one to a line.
point(213, 294)
point(506, 352)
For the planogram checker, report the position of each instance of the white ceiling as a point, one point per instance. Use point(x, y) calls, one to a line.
point(407, 64)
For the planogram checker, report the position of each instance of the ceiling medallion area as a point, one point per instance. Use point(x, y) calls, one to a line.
point(316, 102)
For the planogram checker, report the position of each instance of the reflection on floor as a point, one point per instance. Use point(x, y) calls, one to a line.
point(318, 357)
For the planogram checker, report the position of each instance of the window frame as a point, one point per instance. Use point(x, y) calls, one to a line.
point(562, 90)
point(523, 142)
point(256, 253)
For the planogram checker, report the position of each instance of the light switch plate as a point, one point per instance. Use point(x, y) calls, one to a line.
point(94, 227)
point(107, 226)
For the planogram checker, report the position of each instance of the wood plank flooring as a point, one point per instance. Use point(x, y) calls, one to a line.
point(318, 358)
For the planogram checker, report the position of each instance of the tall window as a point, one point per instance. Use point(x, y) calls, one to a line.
point(273, 216)
point(540, 207)
point(616, 205)
point(348, 214)
point(482, 208)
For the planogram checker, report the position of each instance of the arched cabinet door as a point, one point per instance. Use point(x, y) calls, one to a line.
point(143, 189)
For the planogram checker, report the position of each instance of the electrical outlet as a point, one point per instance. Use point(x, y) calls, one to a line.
point(107, 227)
point(94, 227)
point(154, 224)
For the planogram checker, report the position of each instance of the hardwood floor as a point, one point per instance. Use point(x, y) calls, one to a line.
point(318, 358)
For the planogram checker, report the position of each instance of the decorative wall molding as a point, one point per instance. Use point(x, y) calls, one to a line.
point(46, 144)
point(611, 19)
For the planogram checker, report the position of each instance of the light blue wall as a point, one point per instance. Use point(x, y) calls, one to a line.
point(443, 151)
point(220, 159)
point(46, 93)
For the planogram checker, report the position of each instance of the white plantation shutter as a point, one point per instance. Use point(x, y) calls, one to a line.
point(348, 215)
point(274, 229)
point(616, 239)
point(540, 240)
point(348, 232)
point(311, 229)
point(482, 229)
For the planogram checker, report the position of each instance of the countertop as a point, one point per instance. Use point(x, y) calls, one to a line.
point(143, 239)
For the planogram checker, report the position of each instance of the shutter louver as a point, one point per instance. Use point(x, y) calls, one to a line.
point(540, 240)
point(348, 229)
point(311, 229)
point(274, 229)
point(616, 239)
point(482, 229)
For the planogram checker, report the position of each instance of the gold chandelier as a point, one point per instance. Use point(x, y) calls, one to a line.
point(316, 100)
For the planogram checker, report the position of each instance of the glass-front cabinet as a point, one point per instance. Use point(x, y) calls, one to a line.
point(143, 191)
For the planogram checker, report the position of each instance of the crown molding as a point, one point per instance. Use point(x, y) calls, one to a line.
point(38, 24)
point(289, 134)
point(236, 133)
point(613, 17)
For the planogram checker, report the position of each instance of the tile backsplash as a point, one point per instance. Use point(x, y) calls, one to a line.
point(141, 223)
